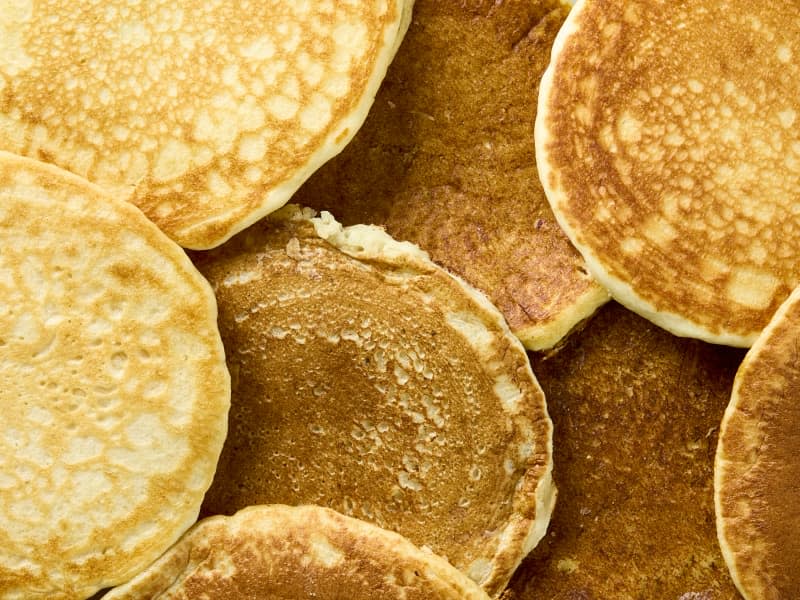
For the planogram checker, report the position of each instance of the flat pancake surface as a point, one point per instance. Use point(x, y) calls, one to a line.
point(757, 469)
point(286, 553)
point(208, 114)
point(382, 387)
point(446, 160)
point(113, 386)
point(668, 146)
point(635, 413)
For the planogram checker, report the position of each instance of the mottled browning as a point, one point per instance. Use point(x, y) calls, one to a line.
point(757, 469)
point(446, 160)
point(636, 413)
point(113, 387)
point(207, 115)
point(369, 380)
point(668, 148)
point(280, 552)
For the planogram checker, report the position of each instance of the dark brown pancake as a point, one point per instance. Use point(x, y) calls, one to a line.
point(446, 160)
point(636, 413)
point(367, 379)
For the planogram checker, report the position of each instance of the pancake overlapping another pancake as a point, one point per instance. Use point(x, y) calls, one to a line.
point(206, 115)
point(285, 553)
point(446, 160)
point(668, 147)
point(113, 386)
point(369, 380)
point(757, 468)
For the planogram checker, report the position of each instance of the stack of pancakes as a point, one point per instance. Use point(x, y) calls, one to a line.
point(333, 398)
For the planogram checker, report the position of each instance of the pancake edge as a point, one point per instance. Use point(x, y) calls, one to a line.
point(520, 535)
point(198, 235)
point(620, 290)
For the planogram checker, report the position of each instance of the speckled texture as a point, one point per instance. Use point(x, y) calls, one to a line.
point(367, 379)
point(757, 469)
point(667, 145)
point(636, 413)
point(113, 386)
point(280, 552)
point(446, 160)
point(207, 114)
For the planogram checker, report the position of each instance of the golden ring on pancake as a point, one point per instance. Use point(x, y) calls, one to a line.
point(206, 115)
point(445, 161)
point(113, 386)
point(295, 553)
point(668, 149)
point(369, 380)
point(757, 466)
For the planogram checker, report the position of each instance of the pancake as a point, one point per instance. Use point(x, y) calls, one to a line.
point(445, 160)
point(635, 413)
point(667, 148)
point(113, 386)
point(757, 469)
point(369, 380)
point(206, 115)
point(282, 553)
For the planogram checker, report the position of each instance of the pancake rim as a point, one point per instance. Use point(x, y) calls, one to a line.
point(521, 530)
point(620, 290)
point(212, 400)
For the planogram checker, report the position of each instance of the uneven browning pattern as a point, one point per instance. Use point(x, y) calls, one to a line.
point(208, 114)
point(757, 468)
point(279, 552)
point(669, 148)
point(446, 160)
point(378, 387)
point(113, 387)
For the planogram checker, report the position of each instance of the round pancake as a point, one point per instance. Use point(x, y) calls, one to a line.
point(207, 115)
point(667, 148)
point(635, 413)
point(445, 160)
point(113, 386)
point(367, 379)
point(757, 468)
point(283, 553)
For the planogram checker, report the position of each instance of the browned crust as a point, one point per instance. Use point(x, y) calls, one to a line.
point(636, 413)
point(666, 147)
point(425, 447)
point(446, 160)
point(757, 465)
point(280, 552)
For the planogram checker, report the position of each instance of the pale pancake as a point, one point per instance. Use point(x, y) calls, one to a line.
point(113, 386)
point(635, 413)
point(667, 145)
point(207, 115)
point(446, 160)
point(367, 379)
point(284, 553)
point(757, 468)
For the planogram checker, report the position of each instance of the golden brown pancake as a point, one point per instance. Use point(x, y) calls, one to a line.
point(757, 468)
point(369, 380)
point(446, 160)
point(284, 553)
point(667, 145)
point(636, 413)
point(113, 386)
point(207, 115)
